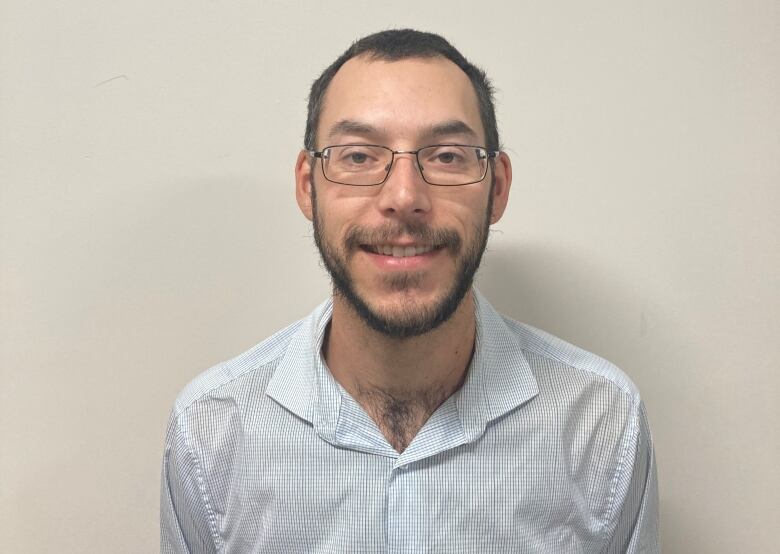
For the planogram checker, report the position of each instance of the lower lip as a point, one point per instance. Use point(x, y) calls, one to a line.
point(391, 263)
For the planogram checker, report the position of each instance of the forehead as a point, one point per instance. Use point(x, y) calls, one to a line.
point(400, 100)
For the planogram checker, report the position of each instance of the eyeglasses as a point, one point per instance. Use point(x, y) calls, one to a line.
point(369, 165)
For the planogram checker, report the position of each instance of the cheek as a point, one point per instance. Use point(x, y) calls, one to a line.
point(342, 212)
point(333, 227)
point(467, 213)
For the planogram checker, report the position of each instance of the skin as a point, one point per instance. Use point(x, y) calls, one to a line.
point(400, 381)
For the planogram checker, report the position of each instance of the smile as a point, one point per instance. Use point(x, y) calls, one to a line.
point(398, 251)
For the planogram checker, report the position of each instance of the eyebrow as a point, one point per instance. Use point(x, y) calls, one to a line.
point(452, 127)
point(353, 127)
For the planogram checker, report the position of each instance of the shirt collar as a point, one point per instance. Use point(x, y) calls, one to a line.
point(296, 382)
point(499, 378)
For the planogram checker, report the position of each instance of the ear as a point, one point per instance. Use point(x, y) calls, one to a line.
point(503, 174)
point(303, 178)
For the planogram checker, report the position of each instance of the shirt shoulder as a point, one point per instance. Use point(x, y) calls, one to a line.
point(594, 409)
point(229, 378)
point(546, 350)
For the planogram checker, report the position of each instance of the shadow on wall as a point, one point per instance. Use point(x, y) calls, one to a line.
point(579, 299)
point(562, 292)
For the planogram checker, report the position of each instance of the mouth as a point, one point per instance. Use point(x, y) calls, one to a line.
point(399, 251)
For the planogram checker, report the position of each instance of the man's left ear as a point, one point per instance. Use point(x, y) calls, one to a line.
point(502, 169)
point(303, 184)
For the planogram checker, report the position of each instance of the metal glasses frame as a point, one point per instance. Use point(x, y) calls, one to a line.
point(487, 154)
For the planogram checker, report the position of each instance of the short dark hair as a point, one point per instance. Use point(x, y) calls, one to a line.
point(400, 44)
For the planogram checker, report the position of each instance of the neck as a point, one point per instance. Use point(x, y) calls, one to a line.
point(399, 382)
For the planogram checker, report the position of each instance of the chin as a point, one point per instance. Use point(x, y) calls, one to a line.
point(408, 312)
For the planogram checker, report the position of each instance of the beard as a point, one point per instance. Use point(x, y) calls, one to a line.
point(412, 319)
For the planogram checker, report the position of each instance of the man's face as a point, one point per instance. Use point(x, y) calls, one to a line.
point(402, 254)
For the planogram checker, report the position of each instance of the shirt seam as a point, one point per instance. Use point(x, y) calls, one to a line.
point(611, 506)
point(182, 410)
point(201, 482)
point(631, 395)
point(520, 330)
point(273, 353)
point(568, 363)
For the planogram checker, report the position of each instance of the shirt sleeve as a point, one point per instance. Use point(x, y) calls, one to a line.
point(636, 528)
point(185, 520)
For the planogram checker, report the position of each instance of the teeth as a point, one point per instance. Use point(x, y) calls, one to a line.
point(401, 251)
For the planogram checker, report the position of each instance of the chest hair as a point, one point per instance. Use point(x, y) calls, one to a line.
point(401, 416)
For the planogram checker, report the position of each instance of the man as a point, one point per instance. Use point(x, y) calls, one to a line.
point(405, 414)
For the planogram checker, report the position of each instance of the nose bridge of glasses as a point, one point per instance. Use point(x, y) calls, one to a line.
point(411, 154)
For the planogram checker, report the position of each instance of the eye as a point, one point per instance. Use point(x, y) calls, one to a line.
point(354, 155)
point(442, 156)
point(357, 157)
point(446, 157)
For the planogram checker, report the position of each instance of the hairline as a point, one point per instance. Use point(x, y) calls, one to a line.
point(376, 56)
point(480, 83)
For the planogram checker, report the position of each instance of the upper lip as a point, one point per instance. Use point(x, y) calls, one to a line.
point(399, 242)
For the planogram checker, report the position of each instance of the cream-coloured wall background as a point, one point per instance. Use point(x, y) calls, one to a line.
point(148, 230)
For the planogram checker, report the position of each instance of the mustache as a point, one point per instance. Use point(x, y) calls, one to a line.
point(417, 231)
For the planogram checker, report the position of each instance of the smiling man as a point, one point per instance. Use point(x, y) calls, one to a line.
point(405, 414)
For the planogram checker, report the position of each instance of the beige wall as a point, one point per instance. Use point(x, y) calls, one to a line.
point(148, 230)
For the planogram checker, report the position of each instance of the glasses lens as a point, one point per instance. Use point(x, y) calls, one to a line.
point(452, 164)
point(357, 164)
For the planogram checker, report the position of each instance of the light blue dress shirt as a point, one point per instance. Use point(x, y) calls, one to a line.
point(545, 449)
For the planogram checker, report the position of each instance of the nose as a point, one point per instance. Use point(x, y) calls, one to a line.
point(404, 193)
